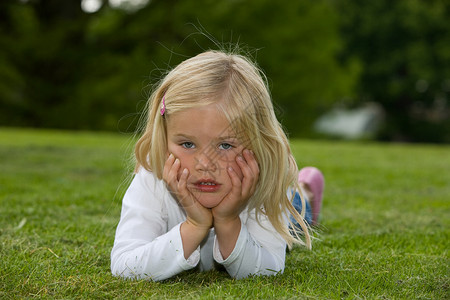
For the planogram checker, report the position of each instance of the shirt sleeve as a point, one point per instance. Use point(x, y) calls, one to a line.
point(259, 250)
point(144, 248)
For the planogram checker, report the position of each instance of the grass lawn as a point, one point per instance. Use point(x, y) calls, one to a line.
point(385, 230)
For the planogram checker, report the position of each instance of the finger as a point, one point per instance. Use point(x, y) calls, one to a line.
point(254, 166)
point(248, 180)
point(236, 184)
point(186, 198)
point(251, 161)
point(167, 165)
point(181, 189)
point(182, 183)
point(172, 174)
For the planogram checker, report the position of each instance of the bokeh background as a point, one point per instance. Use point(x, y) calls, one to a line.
point(377, 69)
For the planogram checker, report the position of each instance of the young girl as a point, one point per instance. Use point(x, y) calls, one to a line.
point(215, 178)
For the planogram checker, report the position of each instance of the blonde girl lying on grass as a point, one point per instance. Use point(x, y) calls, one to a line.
point(216, 182)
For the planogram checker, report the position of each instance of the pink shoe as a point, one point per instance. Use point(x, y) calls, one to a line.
point(313, 178)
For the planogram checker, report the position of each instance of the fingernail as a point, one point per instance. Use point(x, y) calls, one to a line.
point(170, 155)
point(230, 169)
point(185, 171)
point(240, 158)
point(176, 161)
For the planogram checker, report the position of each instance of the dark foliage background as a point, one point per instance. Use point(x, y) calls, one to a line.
point(61, 67)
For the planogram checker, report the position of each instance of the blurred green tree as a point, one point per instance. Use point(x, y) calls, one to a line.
point(62, 67)
point(404, 47)
point(297, 44)
point(68, 69)
point(40, 51)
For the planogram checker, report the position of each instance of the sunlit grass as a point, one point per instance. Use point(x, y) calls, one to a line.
point(384, 232)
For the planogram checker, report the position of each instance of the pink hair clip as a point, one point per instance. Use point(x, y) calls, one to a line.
point(163, 105)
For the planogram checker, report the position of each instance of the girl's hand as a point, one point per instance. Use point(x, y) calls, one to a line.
point(231, 206)
point(198, 216)
point(227, 223)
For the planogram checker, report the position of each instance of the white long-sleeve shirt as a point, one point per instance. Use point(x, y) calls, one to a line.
point(148, 240)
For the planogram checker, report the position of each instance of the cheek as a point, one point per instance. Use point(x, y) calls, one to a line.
point(178, 154)
point(170, 149)
point(237, 169)
point(230, 161)
point(186, 162)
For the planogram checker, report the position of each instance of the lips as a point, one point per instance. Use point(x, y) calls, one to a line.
point(207, 185)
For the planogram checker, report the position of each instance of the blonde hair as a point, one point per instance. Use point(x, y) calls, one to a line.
point(245, 100)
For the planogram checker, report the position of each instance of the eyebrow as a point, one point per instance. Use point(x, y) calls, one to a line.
point(182, 135)
point(187, 136)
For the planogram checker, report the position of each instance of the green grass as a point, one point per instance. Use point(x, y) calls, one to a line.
point(384, 233)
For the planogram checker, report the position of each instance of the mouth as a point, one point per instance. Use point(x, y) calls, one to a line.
point(207, 185)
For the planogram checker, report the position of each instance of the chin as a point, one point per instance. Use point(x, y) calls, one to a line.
point(209, 202)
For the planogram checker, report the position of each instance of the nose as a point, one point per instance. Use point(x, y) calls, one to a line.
point(205, 162)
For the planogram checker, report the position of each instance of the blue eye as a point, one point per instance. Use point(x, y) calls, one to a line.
point(225, 146)
point(188, 145)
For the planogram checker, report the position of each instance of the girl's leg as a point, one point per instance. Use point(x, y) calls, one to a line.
point(311, 180)
point(297, 203)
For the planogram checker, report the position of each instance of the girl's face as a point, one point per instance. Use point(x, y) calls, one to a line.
point(204, 142)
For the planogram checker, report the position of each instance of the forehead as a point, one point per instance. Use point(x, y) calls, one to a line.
point(204, 121)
